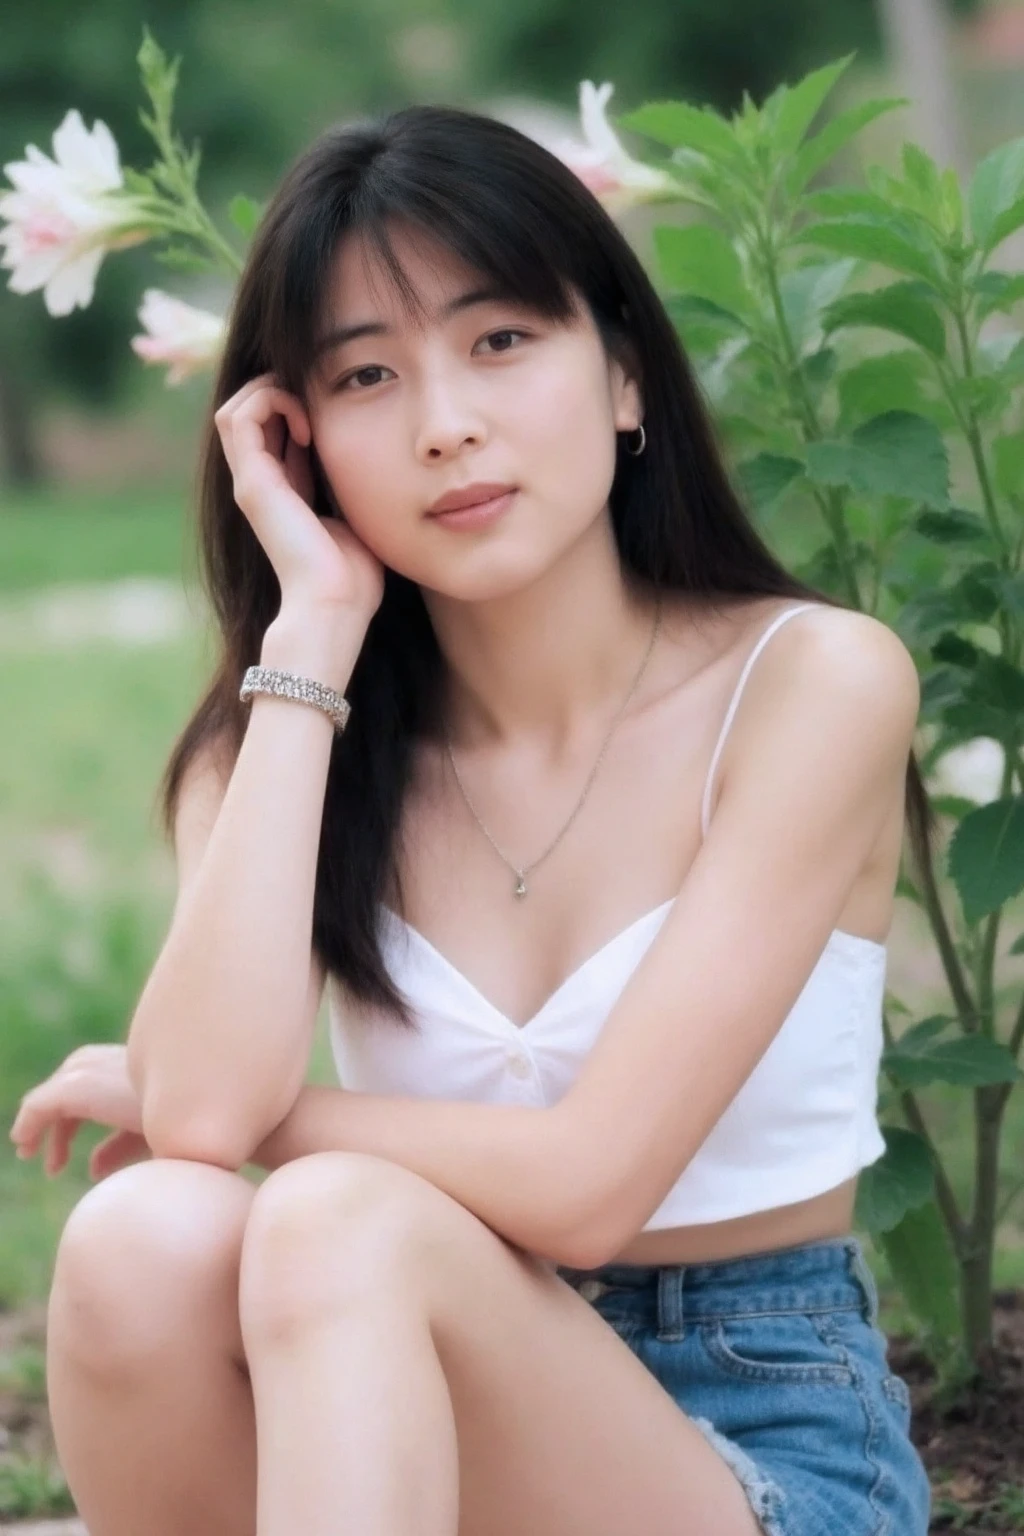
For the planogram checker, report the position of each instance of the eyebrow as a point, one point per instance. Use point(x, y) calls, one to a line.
point(340, 334)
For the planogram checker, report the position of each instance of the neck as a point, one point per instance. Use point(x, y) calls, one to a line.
point(540, 663)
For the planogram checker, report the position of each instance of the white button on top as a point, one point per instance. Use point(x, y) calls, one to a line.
point(518, 1065)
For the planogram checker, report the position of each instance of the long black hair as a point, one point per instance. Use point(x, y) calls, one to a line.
point(516, 214)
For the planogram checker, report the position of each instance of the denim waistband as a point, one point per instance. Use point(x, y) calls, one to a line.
point(828, 1275)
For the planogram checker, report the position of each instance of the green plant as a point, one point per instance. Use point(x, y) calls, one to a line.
point(858, 346)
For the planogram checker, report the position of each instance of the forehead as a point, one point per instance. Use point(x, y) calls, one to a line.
point(363, 287)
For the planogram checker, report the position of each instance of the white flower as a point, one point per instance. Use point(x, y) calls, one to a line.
point(974, 770)
point(602, 163)
point(188, 339)
point(65, 214)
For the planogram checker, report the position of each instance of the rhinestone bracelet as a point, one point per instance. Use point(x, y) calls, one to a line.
point(288, 685)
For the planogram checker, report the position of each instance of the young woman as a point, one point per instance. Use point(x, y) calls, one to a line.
point(589, 817)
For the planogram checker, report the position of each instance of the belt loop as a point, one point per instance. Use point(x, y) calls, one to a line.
point(670, 1301)
point(861, 1270)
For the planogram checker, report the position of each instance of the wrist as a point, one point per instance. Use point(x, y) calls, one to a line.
point(326, 651)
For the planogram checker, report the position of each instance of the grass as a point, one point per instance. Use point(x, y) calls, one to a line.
point(65, 535)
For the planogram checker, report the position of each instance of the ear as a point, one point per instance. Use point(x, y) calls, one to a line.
point(627, 397)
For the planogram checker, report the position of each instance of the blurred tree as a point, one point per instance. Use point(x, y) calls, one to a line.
point(259, 80)
point(918, 38)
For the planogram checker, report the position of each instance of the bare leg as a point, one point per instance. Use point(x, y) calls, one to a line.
point(148, 1391)
point(369, 1448)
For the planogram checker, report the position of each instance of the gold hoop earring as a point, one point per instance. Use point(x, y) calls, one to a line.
point(636, 452)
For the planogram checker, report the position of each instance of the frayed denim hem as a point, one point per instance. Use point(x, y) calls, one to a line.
point(767, 1499)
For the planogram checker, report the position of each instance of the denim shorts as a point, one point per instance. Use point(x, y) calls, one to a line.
point(779, 1360)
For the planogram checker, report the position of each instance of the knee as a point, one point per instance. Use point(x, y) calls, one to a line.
point(144, 1248)
point(327, 1231)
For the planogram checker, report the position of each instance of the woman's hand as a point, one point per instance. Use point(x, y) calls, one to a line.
point(319, 562)
point(91, 1084)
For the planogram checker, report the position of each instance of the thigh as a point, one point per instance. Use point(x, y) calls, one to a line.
point(562, 1431)
point(151, 1248)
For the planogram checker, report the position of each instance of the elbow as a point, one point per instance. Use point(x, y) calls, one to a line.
point(591, 1247)
point(588, 1235)
point(604, 1222)
point(190, 1145)
point(178, 1136)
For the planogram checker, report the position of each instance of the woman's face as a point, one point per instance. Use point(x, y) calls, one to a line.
point(488, 391)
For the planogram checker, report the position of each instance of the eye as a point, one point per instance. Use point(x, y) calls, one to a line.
point(370, 368)
point(357, 373)
point(492, 334)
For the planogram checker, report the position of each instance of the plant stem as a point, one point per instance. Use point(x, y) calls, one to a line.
point(830, 502)
point(964, 1003)
point(974, 441)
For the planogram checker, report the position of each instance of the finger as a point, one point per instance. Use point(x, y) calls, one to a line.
point(271, 401)
point(29, 1120)
point(249, 388)
point(62, 1135)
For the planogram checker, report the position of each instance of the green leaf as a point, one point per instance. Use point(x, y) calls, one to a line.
point(765, 477)
point(1011, 592)
point(139, 183)
point(895, 380)
point(901, 1179)
point(919, 1058)
point(824, 146)
point(877, 242)
point(953, 527)
point(185, 259)
point(703, 325)
point(679, 125)
point(1008, 453)
point(997, 291)
point(997, 681)
point(903, 308)
point(245, 213)
point(951, 806)
point(922, 174)
point(1017, 947)
point(923, 1265)
point(697, 259)
point(800, 104)
point(909, 892)
point(996, 189)
point(808, 291)
point(897, 454)
point(952, 647)
point(1008, 225)
point(986, 857)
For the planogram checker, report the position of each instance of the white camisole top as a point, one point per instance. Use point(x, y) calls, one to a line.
point(804, 1121)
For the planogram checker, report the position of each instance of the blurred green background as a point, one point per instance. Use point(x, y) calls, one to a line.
point(103, 643)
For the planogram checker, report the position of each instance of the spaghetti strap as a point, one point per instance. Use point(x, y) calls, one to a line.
point(779, 620)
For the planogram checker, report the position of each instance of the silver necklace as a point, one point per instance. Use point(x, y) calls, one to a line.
point(519, 890)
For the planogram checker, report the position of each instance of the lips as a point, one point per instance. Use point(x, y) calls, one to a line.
point(469, 496)
point(479, 514)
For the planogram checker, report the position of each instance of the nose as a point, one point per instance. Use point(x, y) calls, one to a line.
point(448, 416)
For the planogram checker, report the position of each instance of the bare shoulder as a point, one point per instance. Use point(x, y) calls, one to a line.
point(839, 658)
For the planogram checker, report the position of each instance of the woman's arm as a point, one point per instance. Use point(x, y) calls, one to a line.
point(510, 1164)
point(219, 1042)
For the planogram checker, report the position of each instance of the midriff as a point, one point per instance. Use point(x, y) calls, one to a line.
point(826, 1215)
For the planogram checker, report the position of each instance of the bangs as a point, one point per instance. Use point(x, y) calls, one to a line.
point(513, 244)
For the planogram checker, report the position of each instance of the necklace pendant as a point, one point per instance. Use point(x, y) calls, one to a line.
point(520, 890)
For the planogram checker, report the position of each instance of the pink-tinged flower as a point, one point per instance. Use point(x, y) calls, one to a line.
point(602, 163)
point(188, 339)
point(65, 214)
